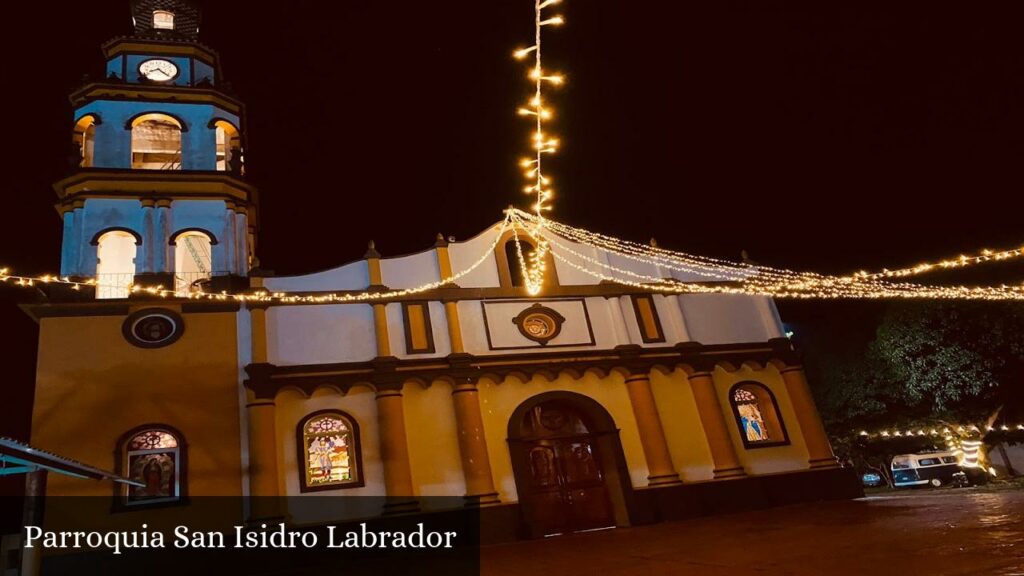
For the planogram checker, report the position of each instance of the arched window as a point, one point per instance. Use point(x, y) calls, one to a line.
point(193, 260)
point(757, 415)
point(228, 145)
point(515, 267)
point(510, 269)
point(163, 20)
point(153, 456)
point(329, 448)
point(115, 263)
point(85, 138)
point(156, 142)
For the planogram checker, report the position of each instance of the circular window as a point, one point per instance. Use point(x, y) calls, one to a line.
point(539, 323)
point(539, 326)
point(153, 328)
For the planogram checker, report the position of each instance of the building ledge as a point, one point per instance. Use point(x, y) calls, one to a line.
point(266, 380)
point(128, 183)
point(107, 90)
point(163, 43)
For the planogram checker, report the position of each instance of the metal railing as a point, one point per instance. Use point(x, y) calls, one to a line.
point(119, 285)
point(190, 282)
point(114, 285)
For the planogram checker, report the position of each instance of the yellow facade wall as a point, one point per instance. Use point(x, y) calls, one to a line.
point(681, 421)
point(431, 430)
point(293, 407)
point(498, 399)
point(768, 460)
point(92, 386)
point(431, 433)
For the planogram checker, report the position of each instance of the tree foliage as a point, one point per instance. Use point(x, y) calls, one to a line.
point(928, 361)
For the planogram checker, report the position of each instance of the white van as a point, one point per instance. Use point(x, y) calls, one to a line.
point(935, 469)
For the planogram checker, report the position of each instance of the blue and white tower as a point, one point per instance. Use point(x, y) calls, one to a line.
point(157, 194)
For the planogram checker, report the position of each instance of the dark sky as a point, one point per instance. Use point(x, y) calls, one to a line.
point(832, 136)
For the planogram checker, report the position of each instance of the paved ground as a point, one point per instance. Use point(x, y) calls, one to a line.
point(940, 532)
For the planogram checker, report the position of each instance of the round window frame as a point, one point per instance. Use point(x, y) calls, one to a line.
point(177, 70)
point(539, 310)
point(133, 319)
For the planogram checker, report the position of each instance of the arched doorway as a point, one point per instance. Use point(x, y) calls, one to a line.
point(568, 464)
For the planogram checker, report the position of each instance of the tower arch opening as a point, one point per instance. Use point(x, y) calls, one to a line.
point(85, 138)
point(193, 260)
point(156, 142)
point(229, 146)
point(115, 263)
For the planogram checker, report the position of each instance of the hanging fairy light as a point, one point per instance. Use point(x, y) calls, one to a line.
point(539, 184)
point(262, 295)
point(714, 276)
point(943, 432)
point(732, 277)
point(549, 237)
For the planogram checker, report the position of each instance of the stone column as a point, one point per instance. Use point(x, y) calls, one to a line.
point(162, 262)
point(394, 451)
point(661, 471)
point(444, 261)
point(147, 258)
point(82, 250)
point(476, 463)
point(723, 453)
point(264, 489)
point(258, 327)
point(451, 313)
point(68, 257)
point(380, 316)
point(380, 325)
point(242, 240)
point(228, 240)
point(819, 450)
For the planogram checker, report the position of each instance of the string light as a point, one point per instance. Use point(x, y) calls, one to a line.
point(551, 238)
point(264, 296)
point(959, 262)
point(540, 185)
point(945, 431)
point(745, 278)
point(965, 442)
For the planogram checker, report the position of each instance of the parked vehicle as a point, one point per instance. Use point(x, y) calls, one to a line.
point(934, 469)
point(872, 479)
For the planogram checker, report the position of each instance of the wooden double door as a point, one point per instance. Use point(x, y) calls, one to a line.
point(564, 487)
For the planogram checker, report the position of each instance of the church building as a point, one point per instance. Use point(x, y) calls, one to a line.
point(593, 404)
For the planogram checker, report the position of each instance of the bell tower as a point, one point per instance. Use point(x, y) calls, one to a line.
point(157, 191)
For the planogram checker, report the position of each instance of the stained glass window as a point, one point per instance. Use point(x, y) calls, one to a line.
point(153, 459)
point(331, 452)
point(751, 420)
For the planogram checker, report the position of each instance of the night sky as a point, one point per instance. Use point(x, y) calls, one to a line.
point(814, 136)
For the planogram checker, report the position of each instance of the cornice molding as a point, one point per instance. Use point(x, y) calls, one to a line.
point(266, 380)
point(155, 93)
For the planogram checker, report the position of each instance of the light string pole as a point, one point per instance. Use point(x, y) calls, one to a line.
point(533, 167)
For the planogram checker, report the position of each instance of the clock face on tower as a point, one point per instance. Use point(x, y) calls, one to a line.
point(158, 70)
